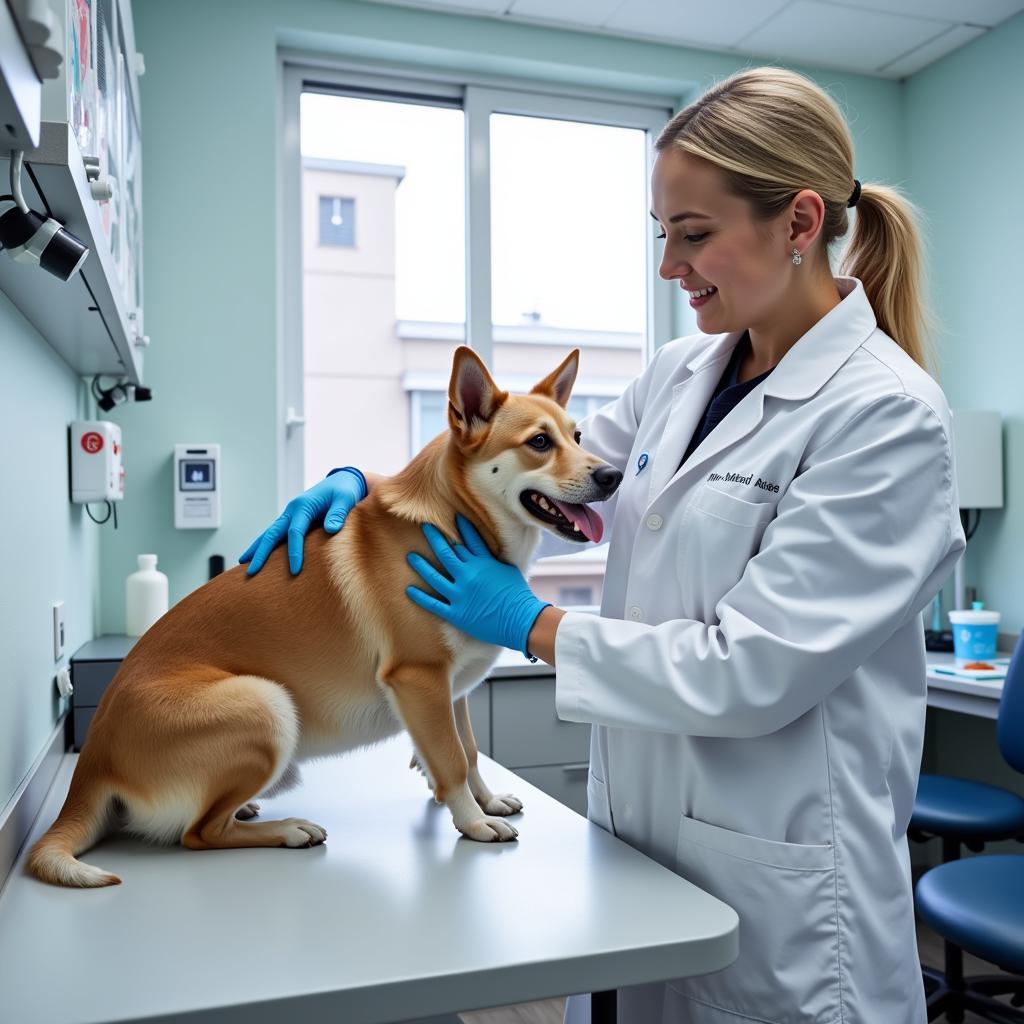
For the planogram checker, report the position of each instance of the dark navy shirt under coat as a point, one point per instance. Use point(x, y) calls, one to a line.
point(727, 394)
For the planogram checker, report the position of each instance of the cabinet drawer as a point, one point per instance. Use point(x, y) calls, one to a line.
point(525, 729)
point(90, 679)
point(566, 783)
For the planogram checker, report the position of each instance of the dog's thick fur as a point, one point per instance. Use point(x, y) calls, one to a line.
point(248, 676)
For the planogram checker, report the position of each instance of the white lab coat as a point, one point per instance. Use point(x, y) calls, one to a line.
point(756, 678)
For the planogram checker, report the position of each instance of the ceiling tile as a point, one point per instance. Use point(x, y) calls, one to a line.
point(690, 21)
point(957, 36)
point(968, 12)
point(890, 38)
point(841, 37)
point(591, 13)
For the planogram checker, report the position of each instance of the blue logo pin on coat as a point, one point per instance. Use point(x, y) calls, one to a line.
point(641, 463)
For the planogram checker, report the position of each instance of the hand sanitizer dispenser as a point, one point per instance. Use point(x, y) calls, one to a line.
point(97, 473)
point(197, 486)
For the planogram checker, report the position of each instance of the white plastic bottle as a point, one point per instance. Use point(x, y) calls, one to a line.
point(145, 596)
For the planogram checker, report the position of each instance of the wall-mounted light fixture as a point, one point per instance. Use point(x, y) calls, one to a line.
point(31, 237)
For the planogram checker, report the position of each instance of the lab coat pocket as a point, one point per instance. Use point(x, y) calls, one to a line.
point(787, 971)
point(731, 509)
point(599, 810)
point(720, 533)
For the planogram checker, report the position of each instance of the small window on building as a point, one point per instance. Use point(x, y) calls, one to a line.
point(337, 221)
point(575, 595)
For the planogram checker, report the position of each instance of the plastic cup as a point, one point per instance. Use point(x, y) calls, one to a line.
point(974, 635)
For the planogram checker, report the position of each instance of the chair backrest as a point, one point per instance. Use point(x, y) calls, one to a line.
point(1010, 727)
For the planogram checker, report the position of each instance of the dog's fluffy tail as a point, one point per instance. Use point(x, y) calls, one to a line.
point(82, 822)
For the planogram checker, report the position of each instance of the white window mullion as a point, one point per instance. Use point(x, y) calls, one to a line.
point(479, 330)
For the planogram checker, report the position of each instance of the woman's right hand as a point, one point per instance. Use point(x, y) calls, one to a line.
point(332, 498)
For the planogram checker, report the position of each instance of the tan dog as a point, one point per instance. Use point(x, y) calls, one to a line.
point(247, 676)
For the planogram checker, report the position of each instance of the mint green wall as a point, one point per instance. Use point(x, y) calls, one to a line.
point(209, 99)
point(964, 153)
point(50, 549)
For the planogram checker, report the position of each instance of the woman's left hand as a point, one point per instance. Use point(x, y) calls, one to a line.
point(486, 598)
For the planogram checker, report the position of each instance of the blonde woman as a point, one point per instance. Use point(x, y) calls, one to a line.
point(756, 678)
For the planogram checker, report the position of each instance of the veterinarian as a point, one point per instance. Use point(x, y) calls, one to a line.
point(756, 678)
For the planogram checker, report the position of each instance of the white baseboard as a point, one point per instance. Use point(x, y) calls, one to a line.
point(17, 818)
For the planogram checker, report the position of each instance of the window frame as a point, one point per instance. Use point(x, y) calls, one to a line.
point(478, 96)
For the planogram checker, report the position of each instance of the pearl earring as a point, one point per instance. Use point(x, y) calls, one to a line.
point(797, 258)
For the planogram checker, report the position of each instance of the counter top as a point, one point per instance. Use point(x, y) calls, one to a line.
point(969, 696)
point(397, 916)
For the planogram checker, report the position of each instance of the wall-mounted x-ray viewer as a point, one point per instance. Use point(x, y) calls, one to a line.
point(197, 486)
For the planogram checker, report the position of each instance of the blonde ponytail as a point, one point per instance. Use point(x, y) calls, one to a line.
point(885, 252)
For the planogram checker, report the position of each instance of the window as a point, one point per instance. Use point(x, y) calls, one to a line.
point(513, 222)
point(337, 221)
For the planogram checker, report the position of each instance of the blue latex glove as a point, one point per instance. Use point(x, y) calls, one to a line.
point(335, 496)
point(486, 598)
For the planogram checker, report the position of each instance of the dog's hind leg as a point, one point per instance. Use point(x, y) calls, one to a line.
point(255, 729)
point(289, 779)
point(422, 697)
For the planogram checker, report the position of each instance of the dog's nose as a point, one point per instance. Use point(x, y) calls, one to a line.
point(607, 478)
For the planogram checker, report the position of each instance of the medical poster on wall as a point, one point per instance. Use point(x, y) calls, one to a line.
point(81, 72)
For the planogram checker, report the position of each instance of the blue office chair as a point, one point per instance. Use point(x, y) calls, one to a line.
point(977, 904)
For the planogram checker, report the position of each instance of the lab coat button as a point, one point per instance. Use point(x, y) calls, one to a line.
point(636, 613)
point(655, 521)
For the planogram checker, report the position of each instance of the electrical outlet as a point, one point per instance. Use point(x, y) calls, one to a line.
point(58, 630)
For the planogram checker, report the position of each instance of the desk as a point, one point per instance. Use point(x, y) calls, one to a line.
point(396, 916)
point(969, 696)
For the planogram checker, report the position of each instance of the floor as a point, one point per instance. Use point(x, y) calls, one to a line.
point(550, 1010)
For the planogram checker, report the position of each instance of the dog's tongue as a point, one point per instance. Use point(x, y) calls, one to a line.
point(584, 517)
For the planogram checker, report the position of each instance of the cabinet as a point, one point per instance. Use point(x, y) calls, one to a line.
point(530, 739)
point(93, 666)
point(87, 172)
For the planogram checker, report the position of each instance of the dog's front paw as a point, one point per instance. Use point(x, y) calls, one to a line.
point(489, 830)
point(502, 803)
point(298, 833)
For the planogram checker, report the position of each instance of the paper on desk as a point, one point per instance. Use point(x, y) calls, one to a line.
point(998, 670)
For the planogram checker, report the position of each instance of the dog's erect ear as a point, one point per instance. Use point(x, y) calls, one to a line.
point(473, 397)
point(558, 384)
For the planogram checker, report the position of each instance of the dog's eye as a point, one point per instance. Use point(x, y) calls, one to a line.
point(540, 442)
